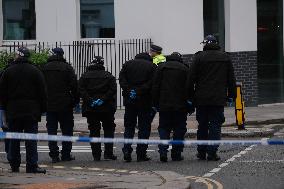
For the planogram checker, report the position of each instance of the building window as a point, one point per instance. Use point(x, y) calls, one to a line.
point(19, 20)
point(214, 20)
point(97, 18)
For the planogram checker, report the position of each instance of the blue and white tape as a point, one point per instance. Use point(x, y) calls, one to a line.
point(45, 137)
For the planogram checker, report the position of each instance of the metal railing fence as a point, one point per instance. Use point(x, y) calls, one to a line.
point(80, 53)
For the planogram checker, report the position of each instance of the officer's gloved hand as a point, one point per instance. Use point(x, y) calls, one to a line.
point(133, 94)
point(99, 102)
point(230, 102)
point(190, 107)
point(96, 102)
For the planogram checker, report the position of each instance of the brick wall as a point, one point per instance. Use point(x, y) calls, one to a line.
point(245, 66)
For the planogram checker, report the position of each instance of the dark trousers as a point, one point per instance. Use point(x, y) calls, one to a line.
point(172, 121)
point(28, 126)
point(144, 128)
point(95, 121)
point(66, 121)
point(210, 119)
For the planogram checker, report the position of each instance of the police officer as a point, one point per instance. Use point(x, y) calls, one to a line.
point(211, 83)
point(135, 79)
point(169, 96)
point(63, 95)
point(23, 94)
point(3, 120)
point(98, 89)
point(156, 54)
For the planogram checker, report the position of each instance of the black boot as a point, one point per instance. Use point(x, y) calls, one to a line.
point(110, 156)
point(35, 170)
point(127, 157)
point(15, 169)
point(201, 156)
point(163, 157)
point(213, 157)
point(55, 159)
point(176, 156)
point(143, 157)
point(97, 157)
point(67, 158)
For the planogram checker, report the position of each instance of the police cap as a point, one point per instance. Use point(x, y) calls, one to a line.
point(24, 52)
point(209, 39)
point(97, 60)
point(155, 48)
point(58, 51)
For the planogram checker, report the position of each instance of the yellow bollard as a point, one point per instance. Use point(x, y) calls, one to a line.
point(240, 108)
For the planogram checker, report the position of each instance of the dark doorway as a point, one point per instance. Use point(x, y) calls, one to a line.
point(270, 51)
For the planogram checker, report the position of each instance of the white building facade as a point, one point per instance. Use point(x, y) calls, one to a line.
point(243, 27)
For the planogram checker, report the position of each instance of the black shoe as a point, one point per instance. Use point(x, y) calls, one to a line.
point(213, 157)
point(15, 169)
point(143, 157)
point(110, 157)
point(127, 157)
point(35, 170)
point(163, 157)
point(201, 156)
point(97, 158)
point(67, 158)
point(177, 158)
point(55, 159)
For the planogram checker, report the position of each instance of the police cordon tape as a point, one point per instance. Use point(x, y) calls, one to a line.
point(45, 137)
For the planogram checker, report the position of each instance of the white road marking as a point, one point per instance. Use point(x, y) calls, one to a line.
point(109, 170)
point(208, 175)
point(94, 169)
point(223, 165)
point(242, 152)
point(264, 161)
point(43, 166)
point(215, 170)
point(236, 156)
point(76, 168)
point(58, 167)
point(121, 171)
point(228, 161)
point(133, 172)
point(248, 149)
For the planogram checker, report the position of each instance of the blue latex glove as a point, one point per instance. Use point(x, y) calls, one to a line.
point(133, 94)
point(230, 102)
point(97, 102)
point(189, 102)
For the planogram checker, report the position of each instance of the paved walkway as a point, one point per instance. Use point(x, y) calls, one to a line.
point(256, 118)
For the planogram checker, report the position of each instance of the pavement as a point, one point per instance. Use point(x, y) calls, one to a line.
point(257, 121)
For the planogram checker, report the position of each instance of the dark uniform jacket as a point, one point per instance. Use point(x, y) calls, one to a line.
point(96, 83)
point(23, 91)
point(212, 78)
point(138, 74)
point(169, 86)
point(62, 85)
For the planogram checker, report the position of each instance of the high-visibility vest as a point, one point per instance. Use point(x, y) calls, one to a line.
point(159, 59)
